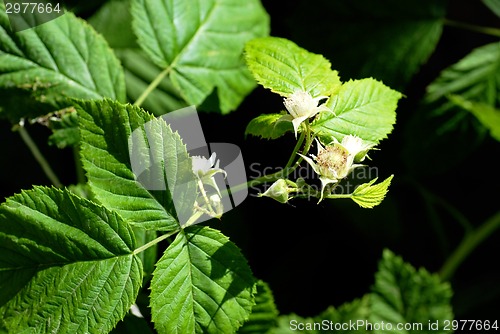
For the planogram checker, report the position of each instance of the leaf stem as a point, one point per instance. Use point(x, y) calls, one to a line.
point(152, 86)
point(483, 30)
point(153, 242)
point(468, 244)
point(38, 155)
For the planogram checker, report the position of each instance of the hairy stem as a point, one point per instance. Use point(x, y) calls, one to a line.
point(468, 244)
point(483, 30)
point(38, 155)
point(152, 86)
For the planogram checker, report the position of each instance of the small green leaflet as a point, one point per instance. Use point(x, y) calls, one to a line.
point(283, 67)
point(202, 284)
point(67, 258)
point(112, 20)
point(475, 77)
point(106, 129)
point(486, 114)
point(369, 195)
point(41, 67)
point(264, 313)
point(268, 126)
point(199, 44)
point(365, 108)
point(402, 294)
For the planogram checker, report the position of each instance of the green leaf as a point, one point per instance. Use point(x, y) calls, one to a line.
point(292, 323)
point(267, 126)
point(41, 67)
point(365, 108)
point(200, 44)
point(452, 133)
point(264, 312)
point(114, 136)
point(65, 129)
point(202, 284)
point(112, 20)
point(139, 73)
point(402, 294)
point(387, 39)
point(368, 195)
point(493, 5)
point(355, 312)
point(487, 115)
point(475, 78)
point(283, 67)
point(67, 258)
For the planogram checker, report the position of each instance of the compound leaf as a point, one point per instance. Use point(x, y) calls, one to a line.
point(67, 258)
point(202, 284)
point(41, 67)
point(199, 43)
point(283, 67)
point(365, 108)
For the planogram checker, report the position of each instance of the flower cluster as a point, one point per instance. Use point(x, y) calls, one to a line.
point(205, 171)
point(336, 160)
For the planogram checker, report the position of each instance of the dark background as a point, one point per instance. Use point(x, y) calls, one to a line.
point(314, 255)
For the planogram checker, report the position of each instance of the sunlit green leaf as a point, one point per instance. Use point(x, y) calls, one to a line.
point(113, 20)
point(67, 258)
point(365, 108)
point(41, 67)
point(369, 195)
point(200, 44)
point(202, 284)
point(268, 126)
point(113, 137)
point(283, 67)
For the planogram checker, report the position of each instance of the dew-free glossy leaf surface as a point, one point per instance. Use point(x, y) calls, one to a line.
point(365, 108)
point(49, 63)
point(201, 42)
point(115, 138)
point(66, 264)
point(283, 67)
point(202, 284)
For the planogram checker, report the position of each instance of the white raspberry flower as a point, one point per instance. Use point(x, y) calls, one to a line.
point(335, 161)
point(301, 106)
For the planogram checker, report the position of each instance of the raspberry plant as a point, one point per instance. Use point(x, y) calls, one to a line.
point(113, 255)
